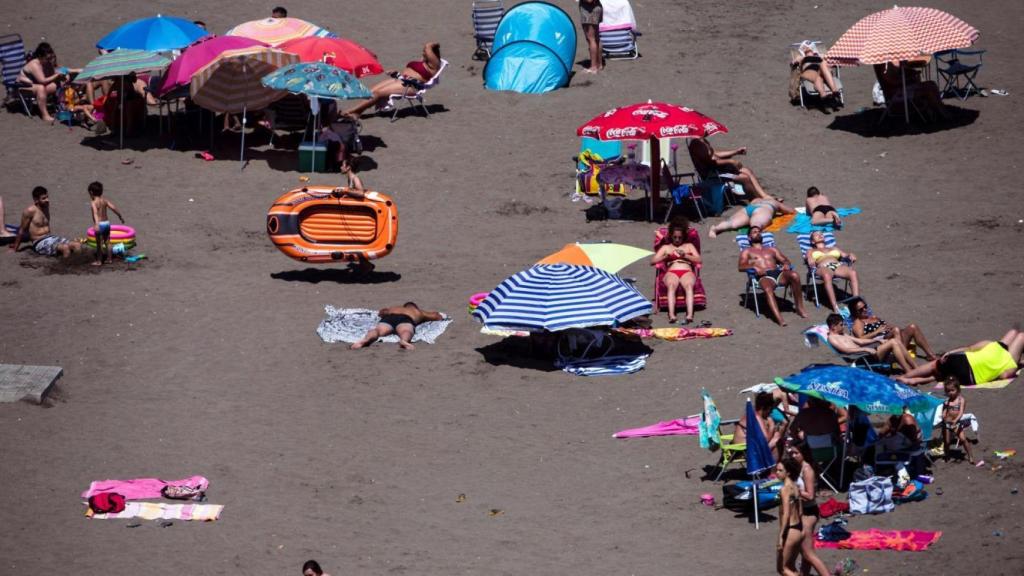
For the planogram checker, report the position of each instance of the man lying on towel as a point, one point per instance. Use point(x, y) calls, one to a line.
point(402, 320)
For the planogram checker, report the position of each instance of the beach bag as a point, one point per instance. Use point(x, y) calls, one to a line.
point(871, 496)
point(106, 503)
point(834, 531)
point(182, 492)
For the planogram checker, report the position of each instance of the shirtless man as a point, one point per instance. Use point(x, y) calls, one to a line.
point(36, 219)
point(706, 159)
point(401, 320)
point(820, 209)
point(847, 344)
point(772, 269)
point(764, 403)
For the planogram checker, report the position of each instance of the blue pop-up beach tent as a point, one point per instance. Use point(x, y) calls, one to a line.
point(533, 51)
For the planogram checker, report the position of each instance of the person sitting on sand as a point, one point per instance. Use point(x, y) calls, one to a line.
point(680, 258)
point(101, 223)
point(901, 435)
point(791, 528)
point(707, 162)
point(402, 320)
point(339, 133)
point(832, 262)
point(867, 325)
point(764, 403)
point(979, 363)
point(40, 75)
point(814, 69)
point(923, 95)
point(772, 268)
point(412, 78)
point(312, 567)
point(881, 351)
point(36, 219)
point(759, 213)
point(820, 209)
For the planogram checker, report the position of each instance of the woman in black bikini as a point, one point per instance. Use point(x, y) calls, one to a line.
point(807, 490)
point(680, 259)
point(412, 78)
point(791, 533)
point(867, 325)
point(814, 69)
point(820, 209)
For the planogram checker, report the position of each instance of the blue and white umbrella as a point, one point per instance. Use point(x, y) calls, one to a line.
point(759, 455)
point(561, 296)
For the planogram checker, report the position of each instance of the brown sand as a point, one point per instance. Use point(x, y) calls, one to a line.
point(203, 359)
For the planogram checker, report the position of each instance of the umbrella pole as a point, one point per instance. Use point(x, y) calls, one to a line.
point(757, 515)
point(906, 103)
point(655, 174)
point(122, 113)
point(241, 157)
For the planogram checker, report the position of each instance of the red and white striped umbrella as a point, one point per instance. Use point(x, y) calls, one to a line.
point(900, 33)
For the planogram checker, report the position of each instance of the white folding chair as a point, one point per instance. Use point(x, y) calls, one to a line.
point(416, 98)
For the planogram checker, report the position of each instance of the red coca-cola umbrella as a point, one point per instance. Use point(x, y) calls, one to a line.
point(651, 121)
point(344, 54)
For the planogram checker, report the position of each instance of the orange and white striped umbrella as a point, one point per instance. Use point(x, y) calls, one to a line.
point(231, 82)
point(900, 33)
point(276, 31)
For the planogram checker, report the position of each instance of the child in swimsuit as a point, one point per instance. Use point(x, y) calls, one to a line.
point(952, 411)
point(101, 224)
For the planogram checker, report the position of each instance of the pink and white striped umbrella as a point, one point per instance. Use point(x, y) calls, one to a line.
point(900, 33)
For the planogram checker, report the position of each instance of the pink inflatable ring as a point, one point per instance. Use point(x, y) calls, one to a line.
point(477, 298)
point(117, 232)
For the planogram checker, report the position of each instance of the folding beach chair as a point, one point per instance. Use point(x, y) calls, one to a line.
point(290, 114)
point(951, 69)
point(806, 86)
point(712, 438)
point(717, 189)
point(13, 59)
point(753, 286)
point(700, 299)
point(417, 97)
point(825, 453)
point(818, 335)
point(486, 16)
point(617, 31)
point(681, 187)
point(811, 282)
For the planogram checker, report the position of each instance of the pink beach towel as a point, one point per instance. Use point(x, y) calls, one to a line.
point(141, 488)
point(676, 334)
point(874, 539)
point(685, 427)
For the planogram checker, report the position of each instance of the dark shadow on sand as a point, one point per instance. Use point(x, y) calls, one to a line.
point(336, 275)
point(866, 123)
point(405, 111)
point(515, 351)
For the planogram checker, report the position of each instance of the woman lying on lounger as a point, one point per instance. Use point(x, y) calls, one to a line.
point(758, 213)
point(832, 262)
point(408, 81)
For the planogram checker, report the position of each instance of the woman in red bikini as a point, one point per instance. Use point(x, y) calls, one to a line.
point(680, 258)
point(408, 81)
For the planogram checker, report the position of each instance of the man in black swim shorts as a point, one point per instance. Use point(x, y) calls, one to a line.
point(401, 320)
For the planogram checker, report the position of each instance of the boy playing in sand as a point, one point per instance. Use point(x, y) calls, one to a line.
point(100, 223)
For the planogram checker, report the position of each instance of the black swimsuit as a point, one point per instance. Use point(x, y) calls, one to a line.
point(823, 208)
point(395, 320)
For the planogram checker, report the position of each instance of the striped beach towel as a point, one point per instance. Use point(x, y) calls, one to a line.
point(164, 511)
point(607, 366)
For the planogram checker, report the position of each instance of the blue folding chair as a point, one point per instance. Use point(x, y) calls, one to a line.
point(951, 69)
point(486, 16)
point(753, 286)
point(13, 59)
point(619, 44)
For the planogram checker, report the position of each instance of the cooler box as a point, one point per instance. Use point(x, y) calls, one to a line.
point(312, 157)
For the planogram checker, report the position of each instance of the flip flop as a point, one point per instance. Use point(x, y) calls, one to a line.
point(979, 463)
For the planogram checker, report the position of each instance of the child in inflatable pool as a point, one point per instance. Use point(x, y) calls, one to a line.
point(401, 320)
point(99, 206)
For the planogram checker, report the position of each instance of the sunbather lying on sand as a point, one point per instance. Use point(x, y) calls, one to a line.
point(758, 213)
point(981, 362)
point(402, 320)
point(820, 209)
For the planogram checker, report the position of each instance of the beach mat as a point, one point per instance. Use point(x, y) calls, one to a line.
point(676, 334)
point(874, 539)
point(802, 223)
point(351, 324)
point(685, 427)
point(163, 511)
point(142, 488)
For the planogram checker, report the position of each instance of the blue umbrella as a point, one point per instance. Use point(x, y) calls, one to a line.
point(156, 34)
point(561, 296)
point(317, 79)
point(759, 455)
point(871, 392)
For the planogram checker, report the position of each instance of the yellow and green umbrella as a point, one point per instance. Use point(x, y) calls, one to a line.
point(606, 256)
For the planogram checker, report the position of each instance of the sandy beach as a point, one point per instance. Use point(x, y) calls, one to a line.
point(203, 358)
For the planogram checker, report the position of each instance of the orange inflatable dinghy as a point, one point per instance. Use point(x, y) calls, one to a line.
point(325, 224)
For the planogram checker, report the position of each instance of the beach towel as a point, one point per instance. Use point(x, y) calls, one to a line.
point(778, 223)
point(874, 539)
point(164, 511)
point(686, 427)
point(802, 222)
point(141, 488)
point(503, 333)
point(676, 334)
point(351, 324)
point(831, 507)
point(606, 366)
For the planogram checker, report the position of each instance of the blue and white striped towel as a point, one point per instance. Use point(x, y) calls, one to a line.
point(607, 366)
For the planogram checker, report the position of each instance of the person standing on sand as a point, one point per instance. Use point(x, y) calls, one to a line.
point(36, 219)
point(101, 224)
point(402, 320)
point(591, 14)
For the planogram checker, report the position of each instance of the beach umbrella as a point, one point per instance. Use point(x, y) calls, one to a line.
point(900, 34)
point(344, 54)
point(276, 31)
point(316, 80)
point(759, 455)
point(200, 54)
point(606, 256)
point(871, 392)
point(561, 296)
point(650, 121)
point(230, 83)
point(156, 34)
point(120, 63)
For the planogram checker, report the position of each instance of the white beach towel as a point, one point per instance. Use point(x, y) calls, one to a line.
point(351, 324)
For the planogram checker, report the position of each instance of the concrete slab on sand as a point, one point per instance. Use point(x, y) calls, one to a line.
point(19, 382)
